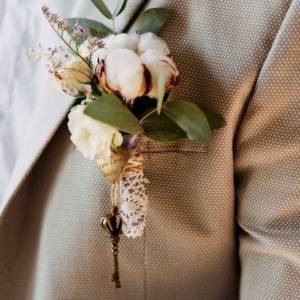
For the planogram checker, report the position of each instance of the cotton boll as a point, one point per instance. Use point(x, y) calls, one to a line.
point(123, 40)
point(157, 64)
point(150, 41)
point(129, 65)
point(124, 74)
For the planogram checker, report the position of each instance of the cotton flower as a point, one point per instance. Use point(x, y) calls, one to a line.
point(73, 77)
point(129, 65)
point(92, 138)
point(131, 83)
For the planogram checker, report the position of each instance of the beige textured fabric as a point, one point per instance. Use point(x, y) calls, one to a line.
point(242, 59)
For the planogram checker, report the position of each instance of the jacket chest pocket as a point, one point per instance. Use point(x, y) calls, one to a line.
point(149, 146)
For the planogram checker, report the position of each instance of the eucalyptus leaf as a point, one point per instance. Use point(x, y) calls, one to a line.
point(102, 8)
point(100, 33)
point(95, 28)
point(111, 110)
point(151, 20)
point(161, 128)
point(161, 83)
point(215, 120)
point(121, 5)
point(190, 118)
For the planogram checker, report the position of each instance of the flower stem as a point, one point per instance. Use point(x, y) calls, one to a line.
point(67, 44)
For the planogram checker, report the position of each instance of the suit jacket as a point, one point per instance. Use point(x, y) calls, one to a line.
point(224, 219)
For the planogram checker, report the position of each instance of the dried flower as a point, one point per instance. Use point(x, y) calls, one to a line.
point(96, 42)
point(52, 55)
point(55, 20)
point(78, 27)
point(78, 31)
point(73, 77)
point(46, 11)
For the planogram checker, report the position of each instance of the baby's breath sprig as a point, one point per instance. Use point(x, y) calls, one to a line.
point(54, 56)
point(60, 26)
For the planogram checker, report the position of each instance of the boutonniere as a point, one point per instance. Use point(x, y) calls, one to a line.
point(121, 84)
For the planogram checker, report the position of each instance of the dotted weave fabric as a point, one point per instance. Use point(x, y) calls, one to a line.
point(223, 219)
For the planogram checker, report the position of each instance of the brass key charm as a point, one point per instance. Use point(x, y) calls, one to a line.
point(112, 224)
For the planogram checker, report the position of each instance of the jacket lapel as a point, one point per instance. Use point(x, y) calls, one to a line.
point(51, 110)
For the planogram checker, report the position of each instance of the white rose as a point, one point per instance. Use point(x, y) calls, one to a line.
point(92, 138)
point(129, 65)
point(74, 77)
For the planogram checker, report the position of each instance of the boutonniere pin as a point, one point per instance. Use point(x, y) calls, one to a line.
point(121, 84)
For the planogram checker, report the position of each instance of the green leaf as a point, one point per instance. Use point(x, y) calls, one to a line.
point(190, 118)
point(102, 8)
point(163, 129)
point(161, 83)
point(215, 120)
point(110, 109)
point(151, 20)
point(121, 5)
point(95, 28)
